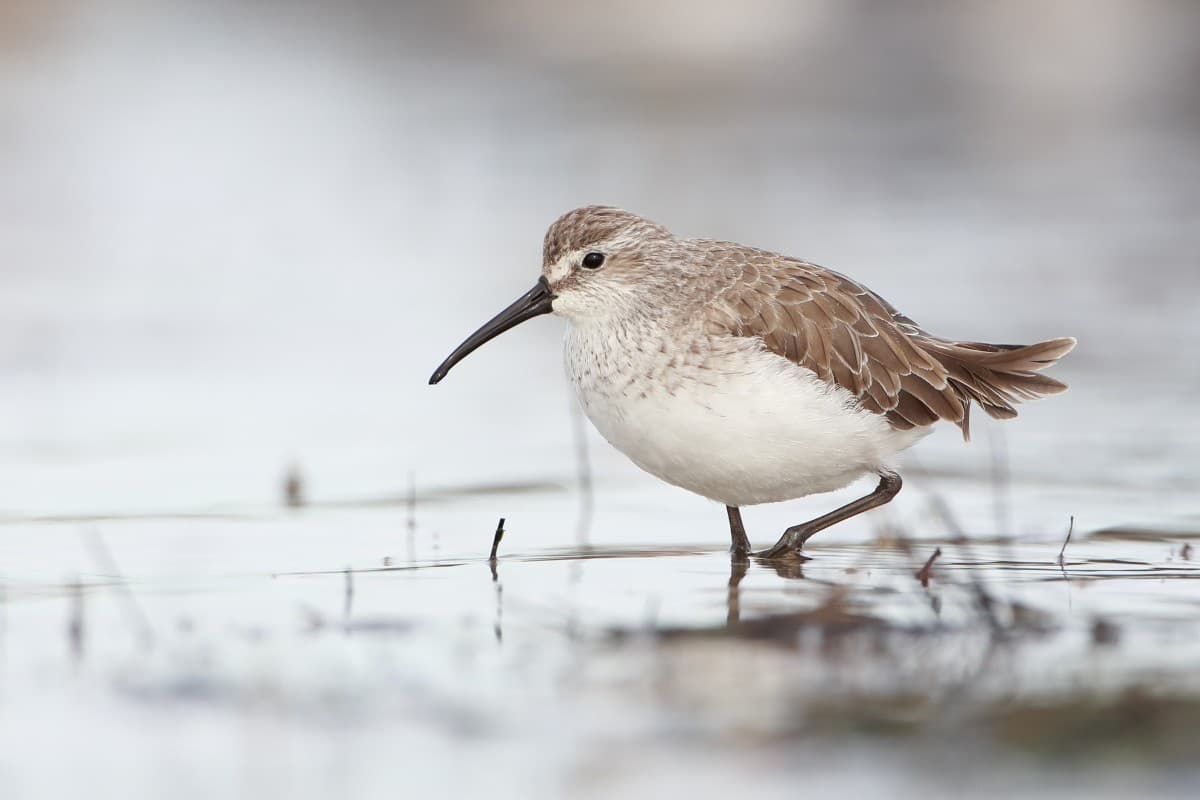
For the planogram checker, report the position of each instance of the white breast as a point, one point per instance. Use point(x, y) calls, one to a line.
point(725, 418)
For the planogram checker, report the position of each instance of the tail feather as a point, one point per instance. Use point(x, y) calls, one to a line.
point(997, 376)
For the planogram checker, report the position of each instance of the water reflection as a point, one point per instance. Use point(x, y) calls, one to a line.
point(737, 571)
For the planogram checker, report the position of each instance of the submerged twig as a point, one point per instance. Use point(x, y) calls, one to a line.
point(499, 535)
point(348, 599)
point(1063, 552)
point(496, 539)
point(926, 572)
point(498, 625)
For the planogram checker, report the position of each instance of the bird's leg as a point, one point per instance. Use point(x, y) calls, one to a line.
point(793, 538)
point(740, 548)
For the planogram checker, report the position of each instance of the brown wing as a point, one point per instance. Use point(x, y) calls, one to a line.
point(850, 336)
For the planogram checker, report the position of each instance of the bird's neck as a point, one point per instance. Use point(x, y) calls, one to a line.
point(605, 356)
point(631, 327)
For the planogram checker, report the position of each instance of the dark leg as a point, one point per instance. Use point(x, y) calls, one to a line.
point(793, 538)
point(740, 548)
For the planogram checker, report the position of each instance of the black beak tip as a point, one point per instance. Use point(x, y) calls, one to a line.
point(436, 377)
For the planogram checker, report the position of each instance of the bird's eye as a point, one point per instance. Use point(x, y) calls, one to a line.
point(593, 260)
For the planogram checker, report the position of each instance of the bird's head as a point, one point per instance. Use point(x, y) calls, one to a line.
point(597, 261)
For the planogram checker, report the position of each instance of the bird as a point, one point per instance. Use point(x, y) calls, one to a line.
point(747, 376)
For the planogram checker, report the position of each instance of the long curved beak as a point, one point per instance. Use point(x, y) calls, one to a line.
point(532, 304)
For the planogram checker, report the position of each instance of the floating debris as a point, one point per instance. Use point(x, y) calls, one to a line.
point(293, 488)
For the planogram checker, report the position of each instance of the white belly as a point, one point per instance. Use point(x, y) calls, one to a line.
point(747, 427)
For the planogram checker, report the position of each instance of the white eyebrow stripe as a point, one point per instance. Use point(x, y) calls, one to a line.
point(563, 266)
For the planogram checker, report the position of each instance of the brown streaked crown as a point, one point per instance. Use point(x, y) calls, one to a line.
point(590, 225)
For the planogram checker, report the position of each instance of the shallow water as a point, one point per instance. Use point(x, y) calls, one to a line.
point(232, 253)
point(299, 651)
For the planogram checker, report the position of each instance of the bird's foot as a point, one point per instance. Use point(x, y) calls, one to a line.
point(790, 546)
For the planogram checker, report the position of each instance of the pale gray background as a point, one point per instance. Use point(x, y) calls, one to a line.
point(236, 237)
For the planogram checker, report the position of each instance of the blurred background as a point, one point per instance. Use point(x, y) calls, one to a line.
point(240, 235)
point(236, 238)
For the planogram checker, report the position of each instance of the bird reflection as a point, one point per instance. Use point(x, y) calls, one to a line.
point(737, 570)
point(790, 568)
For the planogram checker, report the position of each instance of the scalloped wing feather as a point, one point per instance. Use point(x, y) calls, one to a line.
point(852, 337)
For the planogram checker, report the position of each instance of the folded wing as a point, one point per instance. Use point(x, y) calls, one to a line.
point(852, 337)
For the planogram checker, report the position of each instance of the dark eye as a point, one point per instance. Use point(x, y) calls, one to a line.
point(593, 260)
